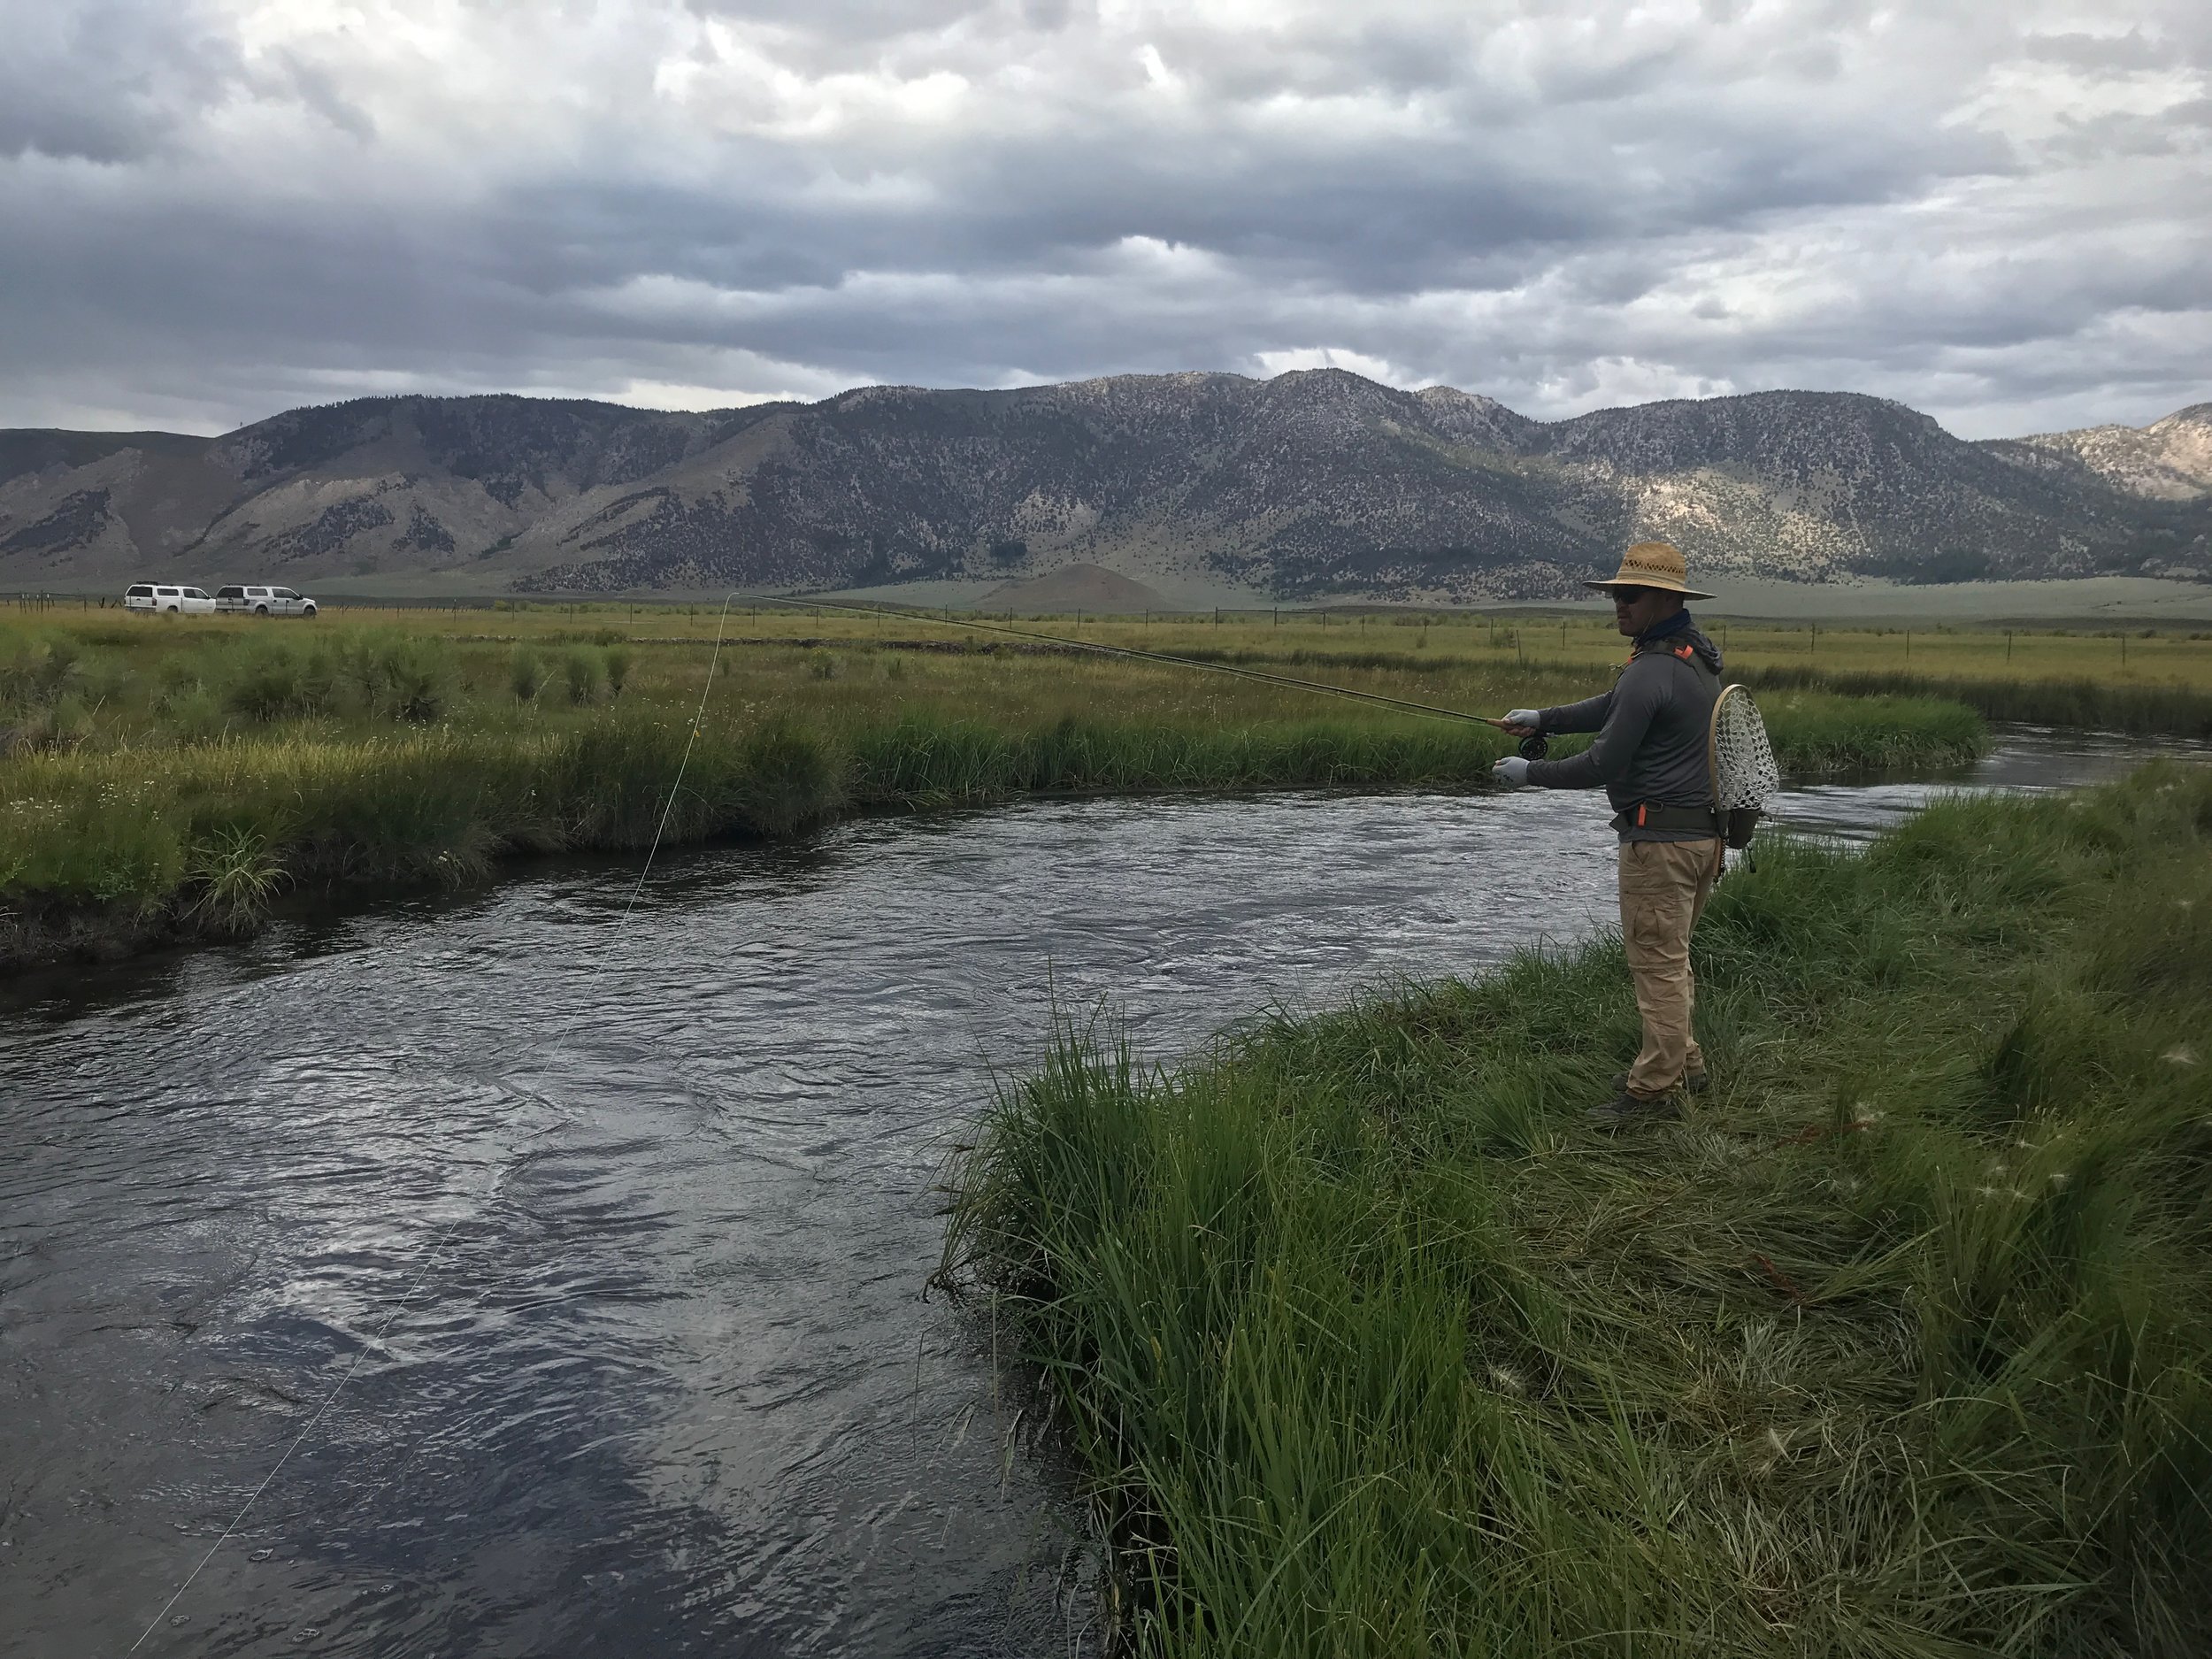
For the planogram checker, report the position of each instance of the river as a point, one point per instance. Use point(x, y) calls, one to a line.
point(618, 1227)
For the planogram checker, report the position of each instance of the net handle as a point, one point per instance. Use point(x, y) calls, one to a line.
point(1712, 742)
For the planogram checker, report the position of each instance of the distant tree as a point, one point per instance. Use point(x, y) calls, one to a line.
point(1010, 551)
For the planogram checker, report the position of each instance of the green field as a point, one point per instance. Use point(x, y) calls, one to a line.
point(2124, 678)
point(167, 774)
point(1365, 1346)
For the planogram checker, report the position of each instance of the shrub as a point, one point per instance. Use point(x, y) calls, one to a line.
point(36, 672)
point(397, 676)
point(617, 662)
point(263, 683)
point(175, 678)
point(62, 725)
point(581, 669)
point(269, 681)
point(525, 673)
point(194, 714)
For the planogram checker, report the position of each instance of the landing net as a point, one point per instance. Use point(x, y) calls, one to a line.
point(1742, 760)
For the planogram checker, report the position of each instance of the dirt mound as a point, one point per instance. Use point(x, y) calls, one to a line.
point(1075, 588)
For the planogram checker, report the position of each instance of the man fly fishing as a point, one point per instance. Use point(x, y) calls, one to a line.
point(1651, 754)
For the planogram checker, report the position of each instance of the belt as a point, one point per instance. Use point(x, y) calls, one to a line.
point(1653, 815)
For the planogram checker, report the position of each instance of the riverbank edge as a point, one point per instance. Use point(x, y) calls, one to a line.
point(121, 853)
point(1365, 1345)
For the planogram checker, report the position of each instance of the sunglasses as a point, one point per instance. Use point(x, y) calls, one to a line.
point(1628, 595)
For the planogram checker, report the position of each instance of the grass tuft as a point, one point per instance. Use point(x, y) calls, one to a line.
point(236, 876)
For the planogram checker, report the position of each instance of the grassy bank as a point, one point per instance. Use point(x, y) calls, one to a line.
point(163, 778)
point(102, 848)
point(1897, 1347)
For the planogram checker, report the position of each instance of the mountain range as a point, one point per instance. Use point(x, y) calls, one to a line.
point(1312, 483)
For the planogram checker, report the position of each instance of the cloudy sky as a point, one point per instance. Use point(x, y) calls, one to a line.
point(210, 210)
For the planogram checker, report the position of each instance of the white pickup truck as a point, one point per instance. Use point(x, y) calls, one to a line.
point(166, 597)
point(264, 602)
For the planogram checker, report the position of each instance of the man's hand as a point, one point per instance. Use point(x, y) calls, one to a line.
point(1512, 770)
point(1523, 722)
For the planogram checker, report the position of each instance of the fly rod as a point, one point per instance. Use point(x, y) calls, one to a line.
point(1430, 709)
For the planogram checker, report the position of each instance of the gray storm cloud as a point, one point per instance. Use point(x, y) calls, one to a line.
point(213, 210)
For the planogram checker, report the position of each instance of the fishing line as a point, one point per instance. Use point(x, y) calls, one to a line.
point(437, 1250)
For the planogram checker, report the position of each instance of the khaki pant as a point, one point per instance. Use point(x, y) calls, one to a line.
point(1664, 888)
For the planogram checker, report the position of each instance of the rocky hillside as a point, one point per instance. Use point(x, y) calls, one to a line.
point(2168, 460)
point(1310, 483)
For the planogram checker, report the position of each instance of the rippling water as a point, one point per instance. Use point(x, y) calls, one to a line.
point(669, 1385)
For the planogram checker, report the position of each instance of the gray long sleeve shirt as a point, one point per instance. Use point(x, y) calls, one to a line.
point(1651, 733)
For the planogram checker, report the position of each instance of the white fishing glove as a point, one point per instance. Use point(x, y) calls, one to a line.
point(1530, 718)
point(1512, 770)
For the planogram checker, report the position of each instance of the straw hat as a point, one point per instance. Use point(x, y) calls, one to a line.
point(1654, 565)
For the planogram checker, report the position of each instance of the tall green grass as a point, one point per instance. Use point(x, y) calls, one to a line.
point(1898, 1347)
point(132, 827)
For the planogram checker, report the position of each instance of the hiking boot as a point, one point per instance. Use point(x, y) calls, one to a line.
point(1625, 1109)
point(1696, 1082)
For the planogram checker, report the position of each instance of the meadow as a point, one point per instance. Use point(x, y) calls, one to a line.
point(166, 775)
point(1365, 1345)
point(2113, 678)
